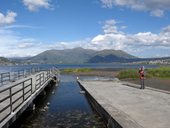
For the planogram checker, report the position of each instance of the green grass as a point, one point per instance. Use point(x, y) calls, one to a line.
point(77, 70)
point(161, 72)
point(129, 73)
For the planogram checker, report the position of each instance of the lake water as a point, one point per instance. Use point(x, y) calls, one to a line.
point(63, 66)
point(62, 107)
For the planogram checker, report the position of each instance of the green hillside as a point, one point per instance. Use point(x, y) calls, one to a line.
point(75, 56)
point(4, 61)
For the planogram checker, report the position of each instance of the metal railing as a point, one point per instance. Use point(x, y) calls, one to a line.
point(39, 80)
point(4, 77)
point(12, 97)
point(8, 77)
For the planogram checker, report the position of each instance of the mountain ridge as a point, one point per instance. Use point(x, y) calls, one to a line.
point(80, 56)
point(77, 55)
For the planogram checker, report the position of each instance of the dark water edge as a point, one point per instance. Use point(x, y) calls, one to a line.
point(62, 107)
point(113, 66)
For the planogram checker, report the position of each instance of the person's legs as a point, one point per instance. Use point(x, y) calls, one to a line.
point(142, 84)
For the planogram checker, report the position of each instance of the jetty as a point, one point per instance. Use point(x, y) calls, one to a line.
point(18, 91)
point(123, 105)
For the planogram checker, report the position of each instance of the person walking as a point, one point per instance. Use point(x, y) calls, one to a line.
point(142, 77)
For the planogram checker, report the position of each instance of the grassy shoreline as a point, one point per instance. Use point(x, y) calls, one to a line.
point(161, 72)
point(157, 78)
point(91, 72)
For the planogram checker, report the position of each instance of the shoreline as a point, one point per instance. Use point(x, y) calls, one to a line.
point(157, 83)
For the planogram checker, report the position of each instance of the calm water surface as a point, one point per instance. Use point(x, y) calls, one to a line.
point(62, 107)
point(64, 66)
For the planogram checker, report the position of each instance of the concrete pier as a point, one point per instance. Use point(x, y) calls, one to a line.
point(128, 106)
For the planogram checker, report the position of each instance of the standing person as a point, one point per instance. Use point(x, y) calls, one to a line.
point(142, 77)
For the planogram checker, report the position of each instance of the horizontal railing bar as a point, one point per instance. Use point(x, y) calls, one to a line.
point(13, 102)
point(14, 85)
point(2, 100)
point(7, 76)
point(27, 96)
point(27, 92)
point(4, 118)
point(13, 93)
point(16, 92)
point(5, 108)
point(27, 86)
point(17, 106)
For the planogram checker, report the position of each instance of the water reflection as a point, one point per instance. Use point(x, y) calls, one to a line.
point(97, 78)
point(62, 107)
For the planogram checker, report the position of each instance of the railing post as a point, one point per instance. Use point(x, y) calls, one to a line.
point(18, 74)
point(33, 83)
point(31, 87)
point(43, 77)
point(23, 91)
point(1, 79)
point(10, 93)
point(9, 76)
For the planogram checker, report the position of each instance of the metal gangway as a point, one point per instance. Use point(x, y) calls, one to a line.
point(18, 93)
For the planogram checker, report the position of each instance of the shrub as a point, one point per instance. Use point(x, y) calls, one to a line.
point(130, 73)
point(161, 72)
point(77, 70)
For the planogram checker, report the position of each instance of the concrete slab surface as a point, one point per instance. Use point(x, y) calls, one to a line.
point(129, 105)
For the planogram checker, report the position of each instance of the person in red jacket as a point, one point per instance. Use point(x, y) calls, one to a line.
point(142, 77)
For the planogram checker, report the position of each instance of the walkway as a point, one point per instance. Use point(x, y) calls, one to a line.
point(19, 95)
point(131, 107)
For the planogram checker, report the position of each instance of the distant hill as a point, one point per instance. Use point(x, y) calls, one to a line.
point(68, 56)
point(4, 61)
point(117, 53)
point(109, 56)
point(80, 55)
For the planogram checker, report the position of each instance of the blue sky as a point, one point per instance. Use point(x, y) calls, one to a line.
point(138, 27)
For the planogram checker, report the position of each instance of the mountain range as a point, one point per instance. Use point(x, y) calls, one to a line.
point(80, 55)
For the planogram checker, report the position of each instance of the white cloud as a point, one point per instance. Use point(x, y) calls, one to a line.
point(12, 45)
point(157, 13)
point(34, 5)
point(8, 19)
point(133, 43)
point(110, 26)
point(24, 45)
point(123, 27)
point(155, 7)
point(70, 45)
point(18, 26)
point(142, 44)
